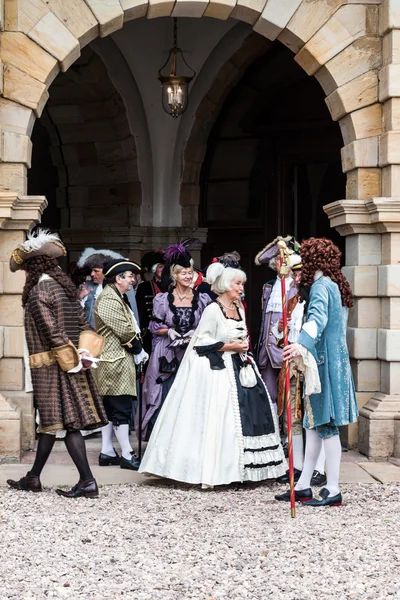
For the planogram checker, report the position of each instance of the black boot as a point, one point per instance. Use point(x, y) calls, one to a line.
point(299, 496)
point(285, 478)
point(323, 499)
point(105, 460)
point(29, 483)
point(133, 463)
point(85, 489)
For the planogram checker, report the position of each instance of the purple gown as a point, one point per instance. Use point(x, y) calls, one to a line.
point(164, 361)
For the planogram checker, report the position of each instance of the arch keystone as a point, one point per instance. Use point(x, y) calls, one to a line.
point(160, 8)
point(134, 9)
point(189, 8)
point(220, 9)
point(109, 14)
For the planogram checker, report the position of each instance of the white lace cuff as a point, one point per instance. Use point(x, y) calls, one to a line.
point(307, 364)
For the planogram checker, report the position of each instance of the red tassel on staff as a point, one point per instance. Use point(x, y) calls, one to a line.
point(283, 253)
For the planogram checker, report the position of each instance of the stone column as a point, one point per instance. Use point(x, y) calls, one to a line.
point(17, 215)
point(373, 270)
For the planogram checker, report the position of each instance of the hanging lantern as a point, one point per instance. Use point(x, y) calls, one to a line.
point(175, 88)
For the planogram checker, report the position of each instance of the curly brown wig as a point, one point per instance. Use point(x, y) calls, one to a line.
point(321, 254)
point(35, 267)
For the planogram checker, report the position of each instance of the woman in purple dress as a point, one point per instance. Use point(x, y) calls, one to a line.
point(176, 314)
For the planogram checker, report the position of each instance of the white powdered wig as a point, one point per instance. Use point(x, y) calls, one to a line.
point(37, 240)
point(88, 252)
point(220, 277)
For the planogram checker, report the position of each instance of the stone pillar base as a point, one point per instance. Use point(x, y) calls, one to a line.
point(10, 431)
point(396, 449)
point(24, 401)
point(376, 425)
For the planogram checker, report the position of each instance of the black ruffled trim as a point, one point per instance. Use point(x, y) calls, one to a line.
point(226, 316)
point(273, 463)
point(261, 449)
point(175, 318)
point(211, 352)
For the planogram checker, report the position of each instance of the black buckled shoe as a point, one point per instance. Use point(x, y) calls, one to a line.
point(318, 479)
point(323, 499)
point(29, 483)
point(105, 460)
point(83, 489)
point(133, 463)
point(285, 478)
point(299, 496)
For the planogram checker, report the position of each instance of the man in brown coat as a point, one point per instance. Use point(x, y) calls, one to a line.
point(59, 341)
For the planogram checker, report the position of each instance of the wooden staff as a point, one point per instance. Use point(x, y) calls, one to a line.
point(283, 272)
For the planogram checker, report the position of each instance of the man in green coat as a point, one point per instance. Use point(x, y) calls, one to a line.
point(116, 372)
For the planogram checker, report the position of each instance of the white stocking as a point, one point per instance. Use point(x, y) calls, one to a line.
point(122, 433)
point(297, 441)
point(107, 440)
point(320, 466)
point(313, 448)
point(333, 452)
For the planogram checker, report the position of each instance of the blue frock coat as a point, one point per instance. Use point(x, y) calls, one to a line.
point(337, 403)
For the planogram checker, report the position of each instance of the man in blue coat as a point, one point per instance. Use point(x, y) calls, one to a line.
point(322, 352)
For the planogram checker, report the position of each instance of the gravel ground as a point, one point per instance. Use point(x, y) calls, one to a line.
point(174, 543)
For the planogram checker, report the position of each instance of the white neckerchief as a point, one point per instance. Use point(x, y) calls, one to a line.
point(275, 299)
point(318, 275)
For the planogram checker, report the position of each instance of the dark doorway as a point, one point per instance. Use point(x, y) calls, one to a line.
point(272, 163)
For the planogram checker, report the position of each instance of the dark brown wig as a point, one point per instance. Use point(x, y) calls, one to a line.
point(35, 267)
point(321, 254)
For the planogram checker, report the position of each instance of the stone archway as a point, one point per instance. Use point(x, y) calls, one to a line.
point(344, 43)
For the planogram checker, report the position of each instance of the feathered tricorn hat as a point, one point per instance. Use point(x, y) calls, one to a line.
point(272, 251)
point(175, 254)
point(40, 243)
point(89, 256)
point(154, 257)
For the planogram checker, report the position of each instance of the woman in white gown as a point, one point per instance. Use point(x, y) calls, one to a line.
point(217, 424)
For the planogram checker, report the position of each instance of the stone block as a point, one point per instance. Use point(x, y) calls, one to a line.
point(345, 26)
point(160, 8)
point(390, 377)
point(360, 153)
point(367, 375)
point(363, 55)
point(389, 280)
point(15, 148)
point(358, 93)
point(391, 181)
point(11, 310)
point(10, 431)
point(248, 10)
point(307, 19)
point(14, 342)
point(363, 280)
point(390, 313)
point(1, 342)
point(375, 437)
point(13, 282)
point(54, 37)
point(362, 343)
point(366, 312)
point(24, 89)
point(109, 14)
point(389, 148)
point(18, 50)
point(220, 9)
point(15, 117)
point(391, 48)
point(13, 178)
point(363, 249)
point(275, 16)
point(134, 9)
point(390, 248)
point(190, 195)
point(389, 17)
point(9, 240)
point(363, 123)
point(77, 17)
point(1, 278)
point(389, 82)
point(389, 344)
point(391, 115)
point(189, 8)
point(11, 374)
point(363, 183)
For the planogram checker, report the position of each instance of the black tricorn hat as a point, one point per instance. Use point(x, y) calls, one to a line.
point(151, 258)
